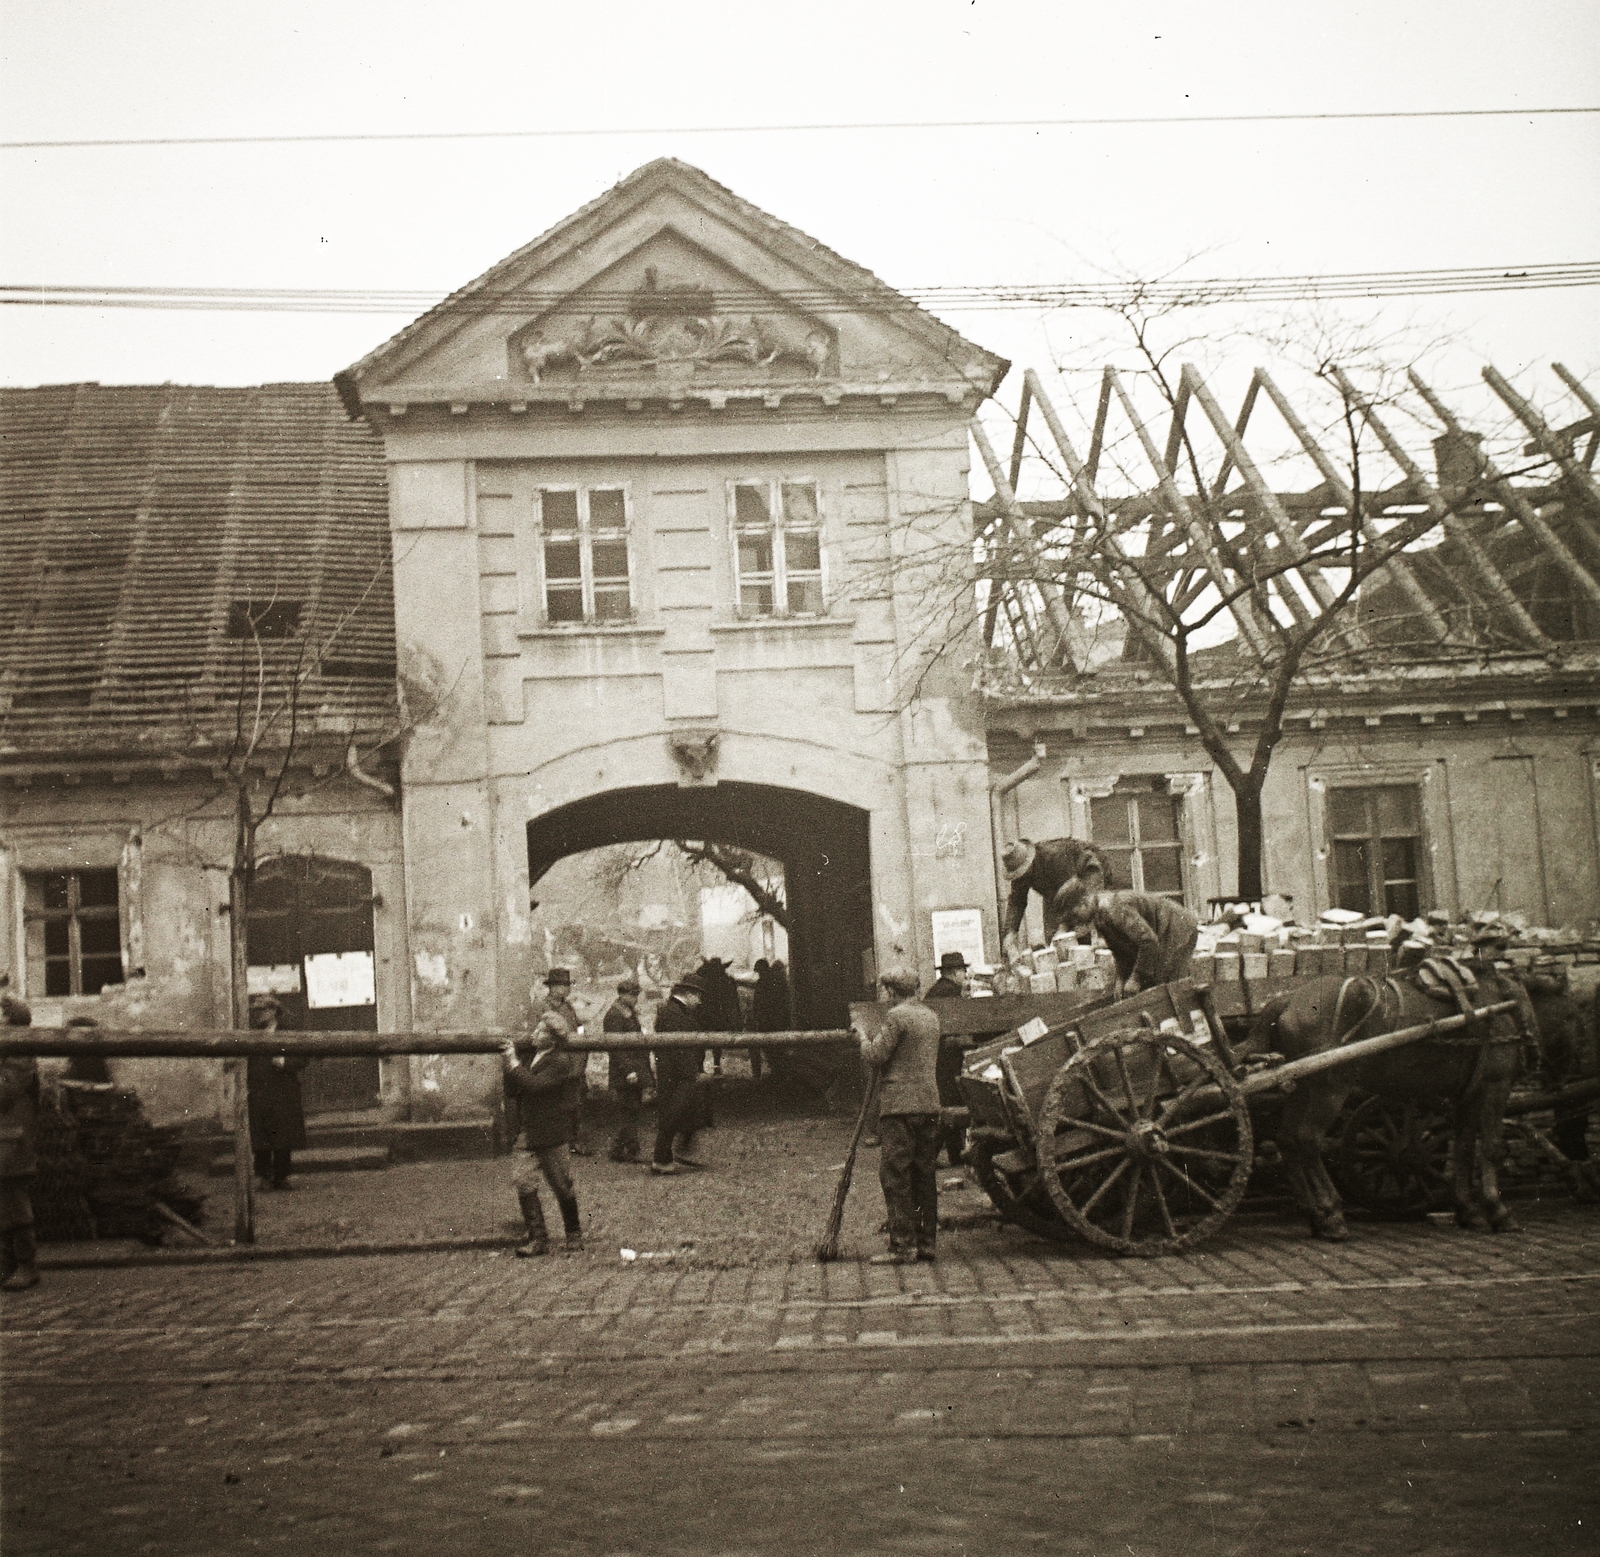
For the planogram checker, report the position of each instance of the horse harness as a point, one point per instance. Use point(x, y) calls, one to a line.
point(1440, 978)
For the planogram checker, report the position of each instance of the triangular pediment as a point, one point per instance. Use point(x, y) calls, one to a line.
point(669, 282)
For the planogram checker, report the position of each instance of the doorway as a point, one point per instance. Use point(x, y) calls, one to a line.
point(301, 907)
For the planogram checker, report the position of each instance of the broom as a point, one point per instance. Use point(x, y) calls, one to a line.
point(827, 1247)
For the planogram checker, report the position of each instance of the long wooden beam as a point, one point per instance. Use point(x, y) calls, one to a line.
point(1140, 610)
point(1574, 470)
point(1453, 524)
point(1288, 536)
point(1069, 635)
point(1525, 513)
point(1421, 601)
point(1239, 606)
point(225, 1043)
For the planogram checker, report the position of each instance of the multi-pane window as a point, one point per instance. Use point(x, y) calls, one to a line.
point(777, 533)
point(1137, 832)
point(1377, 849)
point(74, 932)
point(584, 534)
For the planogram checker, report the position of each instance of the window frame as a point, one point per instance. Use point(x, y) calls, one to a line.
point(1373, 839)
point(74, 915)
point(587, 535)
point(1135, 845)
point(779, 577)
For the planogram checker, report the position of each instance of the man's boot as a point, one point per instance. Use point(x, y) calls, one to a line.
point(573, 1223)
point(24, 1252)
point(533, 1218)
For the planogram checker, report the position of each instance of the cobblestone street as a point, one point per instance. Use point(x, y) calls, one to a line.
point(1418, 1390)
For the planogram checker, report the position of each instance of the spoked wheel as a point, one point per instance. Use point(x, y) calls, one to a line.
point(1018, 1197)
point(1144, 1143)
point(1394, 1157)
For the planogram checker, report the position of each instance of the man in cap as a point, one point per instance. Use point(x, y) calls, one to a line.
point(558, 998)
point(952, 984)
point(19, 1162)
point(537, 1080)
point(1151, 938)
point(277, 1113)
point(1045, 867)
point(680, 1101)
point(906, 1052)
point(627, 1071)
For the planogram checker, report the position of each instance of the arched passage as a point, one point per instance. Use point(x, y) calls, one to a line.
point(823, 844)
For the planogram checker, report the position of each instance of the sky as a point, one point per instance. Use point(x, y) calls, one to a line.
point(920, 207)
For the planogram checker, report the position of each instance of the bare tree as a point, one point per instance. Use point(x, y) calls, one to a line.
point(1237, 594)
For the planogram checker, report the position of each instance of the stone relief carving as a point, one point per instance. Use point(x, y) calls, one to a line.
point(695, 752)
point(674, 326)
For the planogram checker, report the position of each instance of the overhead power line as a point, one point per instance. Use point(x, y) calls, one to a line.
point(868, 300)
point(789, 129)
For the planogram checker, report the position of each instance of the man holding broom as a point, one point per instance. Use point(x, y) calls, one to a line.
point(906, 1052)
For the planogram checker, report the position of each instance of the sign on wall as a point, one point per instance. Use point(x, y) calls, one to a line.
point(279, 979)
point(958, 930)
point(340, 979)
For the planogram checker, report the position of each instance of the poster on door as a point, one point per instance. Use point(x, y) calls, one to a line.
point(340, 979)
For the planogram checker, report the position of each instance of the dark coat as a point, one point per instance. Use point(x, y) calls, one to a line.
point(907, 1049)
point(541, 1086)
point(720, 1011)
point(685, 1105)
point(1055, 862)
point(619, 1064)
point(277, 1119)
point(676, 1067)
point(772, 1000)
point(949, 1068)
point(19, 1115)
point(1152, 938)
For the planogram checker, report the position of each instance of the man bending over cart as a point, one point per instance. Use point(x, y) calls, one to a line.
point(1151, 938)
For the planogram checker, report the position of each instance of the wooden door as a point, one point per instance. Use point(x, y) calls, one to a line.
point(304, 906)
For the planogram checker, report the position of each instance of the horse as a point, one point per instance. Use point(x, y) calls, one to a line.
point(1472, 1069)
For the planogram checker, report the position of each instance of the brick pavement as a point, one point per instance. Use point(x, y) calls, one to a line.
point(1419, 1389)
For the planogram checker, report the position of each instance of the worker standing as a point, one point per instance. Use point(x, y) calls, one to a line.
point(19, 1163)
point(906, 1051)
point(538, 1085)
point(1045, 867)
point(627, 1071)
point(558, 998)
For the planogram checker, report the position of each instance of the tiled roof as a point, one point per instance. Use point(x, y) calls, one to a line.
point(144, 529)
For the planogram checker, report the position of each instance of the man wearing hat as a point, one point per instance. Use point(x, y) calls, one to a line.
point(277, 1115)
point(1152, 938)
point(627, 1071)
point(536, 1087)
point(680, 1100)
point(952, 984)
point(1045, 867)
point(906, 1052)
point(557, 998)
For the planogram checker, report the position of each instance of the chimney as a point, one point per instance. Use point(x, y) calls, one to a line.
point(1457, 459)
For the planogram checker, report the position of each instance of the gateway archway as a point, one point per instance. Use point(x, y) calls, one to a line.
point(823, 845)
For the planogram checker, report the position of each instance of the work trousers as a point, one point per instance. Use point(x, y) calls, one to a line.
point(551, 1163)
point(909, 1149)
point(682, 1111)
point(274, 1164)
point(630, 1103)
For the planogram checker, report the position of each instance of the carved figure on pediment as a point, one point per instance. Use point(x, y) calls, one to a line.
point(674, 326)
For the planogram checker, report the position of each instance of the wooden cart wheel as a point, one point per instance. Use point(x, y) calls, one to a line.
point(1145, 1143)
point(1018, 1197)
point(1394, 1157)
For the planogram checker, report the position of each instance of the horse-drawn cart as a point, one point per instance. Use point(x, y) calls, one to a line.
point(1129, 1125)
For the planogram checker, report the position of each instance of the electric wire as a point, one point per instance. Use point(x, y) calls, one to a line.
point(584, 132)
point(873, 298)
